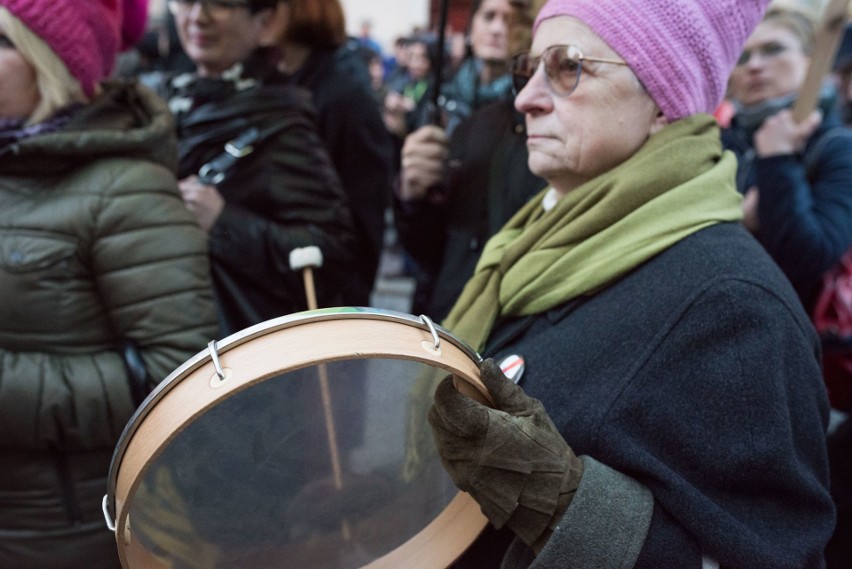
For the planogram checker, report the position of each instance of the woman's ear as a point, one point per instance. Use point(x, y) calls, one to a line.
point(660, 121)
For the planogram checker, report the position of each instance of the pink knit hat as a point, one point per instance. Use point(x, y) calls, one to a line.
point(682, 50)
point(134, 20)
point(85, 34)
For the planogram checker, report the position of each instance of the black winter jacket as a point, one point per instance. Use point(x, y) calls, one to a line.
point(360, 148)
point(283, 195)
point(805, 205)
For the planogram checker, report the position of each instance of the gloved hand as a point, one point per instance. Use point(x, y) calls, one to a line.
point(510, 459)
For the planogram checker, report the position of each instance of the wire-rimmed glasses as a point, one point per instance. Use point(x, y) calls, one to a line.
point(563, 65)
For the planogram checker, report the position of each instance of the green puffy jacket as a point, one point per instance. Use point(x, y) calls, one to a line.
point(96, 250)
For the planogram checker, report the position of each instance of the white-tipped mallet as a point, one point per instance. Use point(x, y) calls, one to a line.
point(306, 259)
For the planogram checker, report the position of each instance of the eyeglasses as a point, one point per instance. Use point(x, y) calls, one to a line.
point(768, 50)
point(216, 9)
point(563, 65)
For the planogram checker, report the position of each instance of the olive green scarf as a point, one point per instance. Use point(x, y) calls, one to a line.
point(677, 183)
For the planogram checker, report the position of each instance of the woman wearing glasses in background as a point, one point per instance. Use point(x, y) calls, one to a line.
point(252, 168)
point(672, 412)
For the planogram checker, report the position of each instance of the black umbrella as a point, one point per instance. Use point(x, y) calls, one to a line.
point(439, 62)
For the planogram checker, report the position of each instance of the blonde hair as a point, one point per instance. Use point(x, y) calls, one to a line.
point(797, 22)
point(57, 88)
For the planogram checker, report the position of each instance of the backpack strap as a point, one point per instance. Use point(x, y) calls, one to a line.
point(215, 170)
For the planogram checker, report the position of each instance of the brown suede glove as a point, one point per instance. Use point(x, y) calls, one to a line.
point(511, 459)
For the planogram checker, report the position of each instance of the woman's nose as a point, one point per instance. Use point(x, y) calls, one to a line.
point(535, 97)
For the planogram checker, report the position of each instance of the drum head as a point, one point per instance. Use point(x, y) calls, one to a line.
point(308, 447)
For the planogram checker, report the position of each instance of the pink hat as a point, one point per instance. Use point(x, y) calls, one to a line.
point(682, 50)
point(84, 34)
point(133, 22)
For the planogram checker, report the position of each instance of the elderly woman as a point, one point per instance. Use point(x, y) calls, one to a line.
point(252, 167)
point(104, 276)
point(672, 412)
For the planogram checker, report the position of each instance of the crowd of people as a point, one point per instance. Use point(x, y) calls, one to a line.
point(567, 191)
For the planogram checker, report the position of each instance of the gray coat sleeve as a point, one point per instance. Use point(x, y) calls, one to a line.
point(604, 528)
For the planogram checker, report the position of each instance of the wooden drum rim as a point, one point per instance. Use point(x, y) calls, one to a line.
point(297, 341)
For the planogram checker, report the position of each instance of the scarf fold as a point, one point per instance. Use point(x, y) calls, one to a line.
point(751, 117)
point(677, 183)
point(466, 87)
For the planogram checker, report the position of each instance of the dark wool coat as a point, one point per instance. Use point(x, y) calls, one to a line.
point(96, 247)
point(361, 149)
point(692, 389)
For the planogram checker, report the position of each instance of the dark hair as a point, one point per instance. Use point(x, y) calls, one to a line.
point(474, 8)
point(429, 43)
point(317, 24)
point(259, 5)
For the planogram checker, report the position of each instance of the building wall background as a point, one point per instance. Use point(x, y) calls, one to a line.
point(390, 18)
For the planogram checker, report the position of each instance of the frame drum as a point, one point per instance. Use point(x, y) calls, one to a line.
point(299, 442)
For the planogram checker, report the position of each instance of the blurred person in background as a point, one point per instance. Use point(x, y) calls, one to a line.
point(483, 75)
point(456, 192)
point(316, 56)
point(795, 177)
point(798, 199)
point(252, 167)
point(365, 37)
point(843, 75)
point(104, 273)
point(396, 69)
point(375, 67)
point(797, 181)
point(407, 104)
point(481, 78)
point(159, 49)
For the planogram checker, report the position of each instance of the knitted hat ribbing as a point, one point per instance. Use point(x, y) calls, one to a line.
point(682, 50)
point(84, 34)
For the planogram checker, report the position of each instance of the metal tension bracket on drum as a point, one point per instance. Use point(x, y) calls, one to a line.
point(435, 348)
point(110, 523)
point(222, 375)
